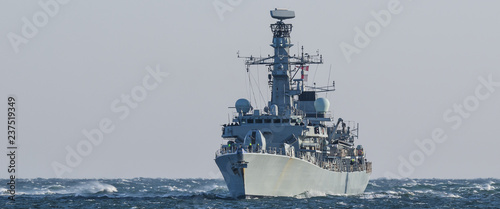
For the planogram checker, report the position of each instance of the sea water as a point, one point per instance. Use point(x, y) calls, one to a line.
point(212, 193)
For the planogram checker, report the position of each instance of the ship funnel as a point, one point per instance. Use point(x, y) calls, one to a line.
point(282, 14)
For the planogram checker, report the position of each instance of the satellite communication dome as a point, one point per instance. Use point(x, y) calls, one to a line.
point(242, 105)
point(321, 105)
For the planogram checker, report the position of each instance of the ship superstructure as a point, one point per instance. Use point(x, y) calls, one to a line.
point(293, 145)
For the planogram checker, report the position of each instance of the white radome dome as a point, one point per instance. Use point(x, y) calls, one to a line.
point(242, 105)
point(321, 105)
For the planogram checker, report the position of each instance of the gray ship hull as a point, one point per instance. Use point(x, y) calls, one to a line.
point(281, 175)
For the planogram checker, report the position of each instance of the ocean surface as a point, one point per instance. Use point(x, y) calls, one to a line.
point(212, 193)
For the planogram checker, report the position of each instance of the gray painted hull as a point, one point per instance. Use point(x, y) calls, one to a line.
point(279, 175)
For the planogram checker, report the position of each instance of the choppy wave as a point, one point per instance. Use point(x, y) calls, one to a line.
point(75, 188)
point(487, 186)
point(175, 193)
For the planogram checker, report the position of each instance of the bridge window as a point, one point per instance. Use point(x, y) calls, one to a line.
point(258, 120)
point(277, 121)
point(286, 121)
point(267, 120)
point(249, 120)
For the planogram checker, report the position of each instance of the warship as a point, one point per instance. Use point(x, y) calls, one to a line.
point(293, 145)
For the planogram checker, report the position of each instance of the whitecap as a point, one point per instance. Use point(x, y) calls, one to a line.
point(94, 187)
point(309, 194)
point(387, 194)
point(4, 191)
point(342, 203)
point(391, 192)
point(438, 193)
point(207, 188)
point(453, 196)
point(412, 183)
point(175, 189)
point(487, 187)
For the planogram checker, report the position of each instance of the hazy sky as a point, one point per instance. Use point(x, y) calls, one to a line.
point(431, 69)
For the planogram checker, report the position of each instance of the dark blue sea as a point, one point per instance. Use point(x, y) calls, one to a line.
point(210, 193)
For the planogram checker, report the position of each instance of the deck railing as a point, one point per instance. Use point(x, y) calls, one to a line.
point(337, 164)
